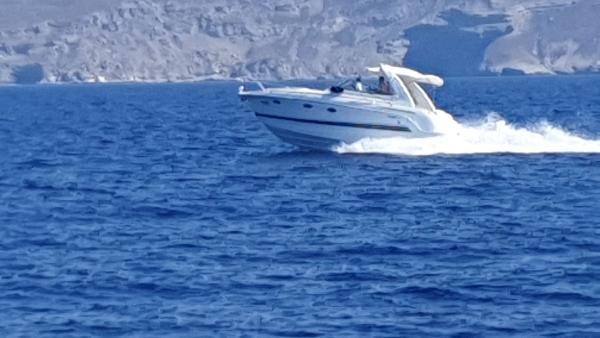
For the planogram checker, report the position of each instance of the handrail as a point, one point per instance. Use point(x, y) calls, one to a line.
point(244, 81)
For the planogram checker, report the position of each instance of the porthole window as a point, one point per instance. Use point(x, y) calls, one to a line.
point(331, 110)
point(276, 101)
point(308, 106)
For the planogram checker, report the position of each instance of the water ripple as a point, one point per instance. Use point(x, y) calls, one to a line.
point(127, 213)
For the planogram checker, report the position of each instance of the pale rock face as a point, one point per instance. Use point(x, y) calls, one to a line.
point(186, 40)
point(19, 14)
point(550, 39)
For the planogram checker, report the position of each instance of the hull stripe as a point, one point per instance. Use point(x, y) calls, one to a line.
point(339, 124)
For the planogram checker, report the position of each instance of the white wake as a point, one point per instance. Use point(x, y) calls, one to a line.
point(492, 135)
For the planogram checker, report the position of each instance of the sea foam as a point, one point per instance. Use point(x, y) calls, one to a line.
point(490, 135)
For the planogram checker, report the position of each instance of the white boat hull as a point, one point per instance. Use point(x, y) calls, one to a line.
point(321, 119)
point(323, 136)
point(322, 124)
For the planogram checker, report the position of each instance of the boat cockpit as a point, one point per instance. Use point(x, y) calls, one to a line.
point(395, 83)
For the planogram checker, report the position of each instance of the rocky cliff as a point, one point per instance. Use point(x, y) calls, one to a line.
point(186, 40)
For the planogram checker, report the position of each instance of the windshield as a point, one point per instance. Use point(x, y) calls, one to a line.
point(398, 89)
point(389, 85)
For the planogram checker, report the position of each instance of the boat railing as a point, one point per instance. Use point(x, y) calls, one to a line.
point(243, 87)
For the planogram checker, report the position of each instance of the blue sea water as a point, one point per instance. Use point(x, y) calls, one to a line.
point(170, 211)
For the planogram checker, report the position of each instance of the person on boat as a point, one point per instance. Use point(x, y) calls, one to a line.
point(384, 86)
point(358, 86)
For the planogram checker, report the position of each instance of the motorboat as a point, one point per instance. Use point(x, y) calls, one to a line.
point(349, 112)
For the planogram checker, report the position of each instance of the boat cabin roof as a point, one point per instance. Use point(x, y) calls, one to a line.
point(404, 85)
point(407, 75)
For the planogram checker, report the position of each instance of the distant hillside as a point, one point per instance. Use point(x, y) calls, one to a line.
point(18, 14)
point(183, 40)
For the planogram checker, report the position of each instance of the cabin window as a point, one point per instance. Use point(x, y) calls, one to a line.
point(400, 91)
point(308, 106)
point(331, 110)
point(276, 101)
